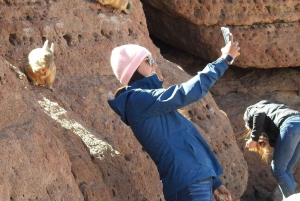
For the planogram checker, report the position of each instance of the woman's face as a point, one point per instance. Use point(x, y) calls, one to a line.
point(149, 67)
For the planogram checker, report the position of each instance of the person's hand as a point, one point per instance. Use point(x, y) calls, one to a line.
point(222, 194)
point(250, 144)
point(231, 48)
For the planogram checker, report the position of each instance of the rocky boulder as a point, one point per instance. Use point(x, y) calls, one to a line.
point(267, 31)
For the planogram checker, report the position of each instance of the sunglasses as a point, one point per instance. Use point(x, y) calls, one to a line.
point(150, 61)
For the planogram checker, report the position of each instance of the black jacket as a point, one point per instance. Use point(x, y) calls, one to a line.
point(266, 117)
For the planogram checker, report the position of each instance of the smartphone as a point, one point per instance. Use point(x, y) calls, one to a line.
point(226, 33)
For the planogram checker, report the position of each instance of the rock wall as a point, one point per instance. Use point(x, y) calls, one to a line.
point(267, 31)
point(69, 145)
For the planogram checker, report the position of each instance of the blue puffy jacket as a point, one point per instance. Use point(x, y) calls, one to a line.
point(177, 148)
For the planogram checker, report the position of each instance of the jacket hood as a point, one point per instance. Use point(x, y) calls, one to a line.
point(119, 103)
point(250, 111)
point(248, 117)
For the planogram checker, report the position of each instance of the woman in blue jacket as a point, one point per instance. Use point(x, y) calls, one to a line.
point(187, 167)
point(275, 125)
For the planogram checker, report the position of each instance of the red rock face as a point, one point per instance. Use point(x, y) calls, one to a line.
point(70, 145)
point(267, 31)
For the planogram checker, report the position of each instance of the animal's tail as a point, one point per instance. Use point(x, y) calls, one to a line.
point(128, 7)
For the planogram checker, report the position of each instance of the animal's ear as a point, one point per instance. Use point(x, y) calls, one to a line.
point(52, 47)
point(45, 47)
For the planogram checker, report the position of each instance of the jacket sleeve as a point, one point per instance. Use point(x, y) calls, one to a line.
point(217, 183)
point(162, 101)
point(258, 123)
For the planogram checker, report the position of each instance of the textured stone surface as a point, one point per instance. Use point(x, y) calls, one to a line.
point(267, 31)
point(69, 145)
point(235, 12)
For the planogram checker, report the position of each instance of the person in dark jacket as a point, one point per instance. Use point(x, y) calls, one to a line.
point(275, 125)
point(187, 167)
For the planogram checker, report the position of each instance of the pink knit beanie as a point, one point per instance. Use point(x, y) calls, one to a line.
point(126, 59)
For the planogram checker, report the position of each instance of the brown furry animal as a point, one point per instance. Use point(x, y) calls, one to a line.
point(41, 69)
point(119, 5)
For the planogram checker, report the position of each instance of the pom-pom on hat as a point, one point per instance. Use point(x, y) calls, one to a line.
point(126, 59)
